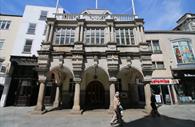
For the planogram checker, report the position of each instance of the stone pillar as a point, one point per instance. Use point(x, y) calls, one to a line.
point(170, 96)
point(147, 91)
point(76, 106)
point(51, 32)
point(108, 34)
point(174, 94)
point(57, 98)
point(112, 34)
point(40, 101)
point(142, 34)
point(81, 33)
point(47, 32)
point(137, 37)
point(112, 93)
point(77, 34)
point(136, 95)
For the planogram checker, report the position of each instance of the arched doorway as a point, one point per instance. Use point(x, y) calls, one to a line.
point(95, 95)
point(131, 87)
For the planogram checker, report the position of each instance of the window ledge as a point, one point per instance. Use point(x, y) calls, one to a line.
point(30, 33)
point(26, 52)
point(157, 52)
point(159, 68)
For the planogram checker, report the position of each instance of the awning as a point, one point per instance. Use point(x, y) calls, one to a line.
point(24, 61)
point(164, 81)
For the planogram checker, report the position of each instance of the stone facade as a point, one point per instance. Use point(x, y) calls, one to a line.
point(97, 68)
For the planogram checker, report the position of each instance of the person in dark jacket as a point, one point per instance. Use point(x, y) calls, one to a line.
point(154, 111)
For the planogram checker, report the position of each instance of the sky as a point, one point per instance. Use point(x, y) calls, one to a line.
point(157, 14)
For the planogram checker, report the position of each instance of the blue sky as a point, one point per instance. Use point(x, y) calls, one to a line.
point(157, 14)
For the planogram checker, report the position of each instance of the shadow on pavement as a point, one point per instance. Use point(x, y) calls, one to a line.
point(162, 121)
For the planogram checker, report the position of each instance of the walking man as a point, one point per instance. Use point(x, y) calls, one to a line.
point(117, 113)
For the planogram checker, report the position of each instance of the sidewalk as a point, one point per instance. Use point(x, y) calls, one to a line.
point(172, 116)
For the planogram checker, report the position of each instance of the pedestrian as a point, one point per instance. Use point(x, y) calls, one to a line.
point(154, 111)
point(116, 118)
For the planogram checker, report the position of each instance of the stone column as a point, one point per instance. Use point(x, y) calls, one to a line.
point(40, 101)
point(47, 32)
point(112, 34)
point(174, 94)
point(76, 106)
point(142, 33)
point(108, 34)
point(81, 33)
point(112, 93)
point(136, 95)
point(51, 32)
point(147, 91)
point(57, 98)
point(170, 96)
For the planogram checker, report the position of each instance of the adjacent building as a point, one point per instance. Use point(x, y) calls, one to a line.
point(174, 63)
point(9, 25)
point(30, 34)
point(186, 23)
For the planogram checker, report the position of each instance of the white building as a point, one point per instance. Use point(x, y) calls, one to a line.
point(32, 30)
point(9, 25)
point(30, 34)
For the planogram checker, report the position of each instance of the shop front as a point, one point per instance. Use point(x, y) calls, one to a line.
point(186, 86)
point(164, 90)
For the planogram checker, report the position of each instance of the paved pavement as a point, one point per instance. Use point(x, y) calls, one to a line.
point(171, 116)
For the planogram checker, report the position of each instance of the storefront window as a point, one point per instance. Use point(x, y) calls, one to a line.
point(183, 52)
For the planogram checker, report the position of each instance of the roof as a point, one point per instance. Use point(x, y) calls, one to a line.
point(10, 15)
point(185, 15)
point(96, 11)
point(168, 32)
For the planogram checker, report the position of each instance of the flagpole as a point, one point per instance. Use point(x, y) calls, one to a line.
point(57, 3)
point(96, 4)
point(133, 7)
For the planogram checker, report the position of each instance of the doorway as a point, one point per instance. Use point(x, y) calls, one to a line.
point(95, 96)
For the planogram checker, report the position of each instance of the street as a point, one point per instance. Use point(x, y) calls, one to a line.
point(171, 116)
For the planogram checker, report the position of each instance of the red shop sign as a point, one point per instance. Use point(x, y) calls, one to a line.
point(160, 81)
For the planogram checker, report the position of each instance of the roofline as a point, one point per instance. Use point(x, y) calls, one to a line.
point(10, 15)
point(184, 16)
point(168, 32)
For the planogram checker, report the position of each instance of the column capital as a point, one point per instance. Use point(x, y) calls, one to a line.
point(42, 78)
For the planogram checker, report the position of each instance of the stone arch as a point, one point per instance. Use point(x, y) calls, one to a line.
point(130, 83)
point(94, 74)
point(62, 77)
point(90, 73)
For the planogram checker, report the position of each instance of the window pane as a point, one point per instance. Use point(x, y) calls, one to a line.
point(186, 51)
point(156, 45)
point(122, 37)
point(27, 47)
point(43, 15)
point(1, 43)
point(31, 29)
point(153, 65)
point(160, 65)
point(8, 24)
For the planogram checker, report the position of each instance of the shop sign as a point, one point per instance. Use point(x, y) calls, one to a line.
point(164, 81)
point(189, 75)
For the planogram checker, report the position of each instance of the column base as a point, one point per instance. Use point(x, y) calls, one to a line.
point(39, 108)
point(56, 105)
point(148, 109)
point(38, 112)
